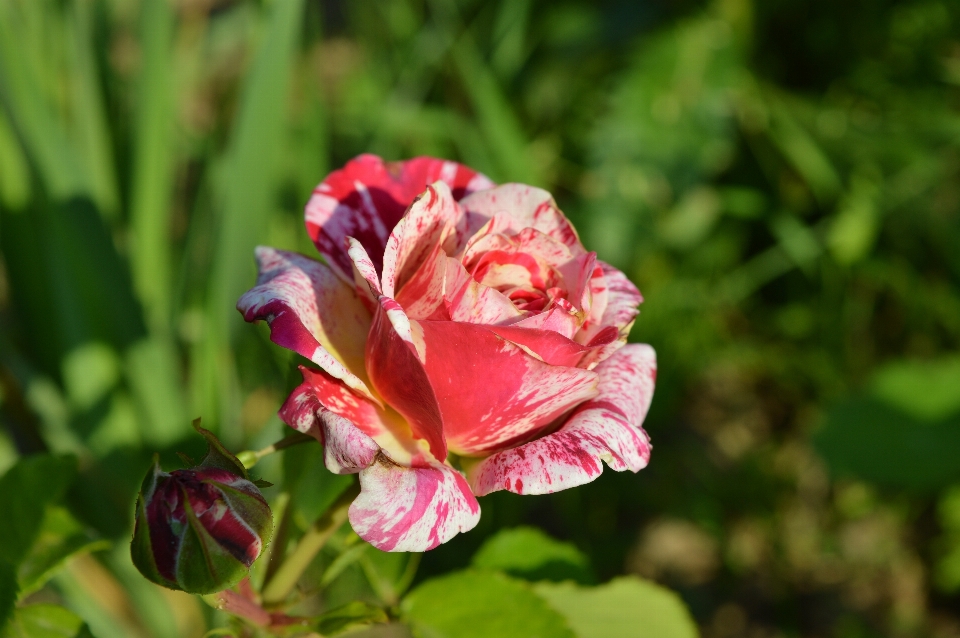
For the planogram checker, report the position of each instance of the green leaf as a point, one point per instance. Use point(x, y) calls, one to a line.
point(880, 443)
point(474, 604)
point(926, 390)
point(46, 621)
point(61, 537)
point(349, 616)
point(528, 553)
point(24, 492)
point(625, 607)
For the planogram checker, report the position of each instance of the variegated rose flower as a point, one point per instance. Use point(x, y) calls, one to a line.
point(466, 342)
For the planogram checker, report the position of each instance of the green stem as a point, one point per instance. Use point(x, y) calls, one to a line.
point(249, 458)
point(285, 578)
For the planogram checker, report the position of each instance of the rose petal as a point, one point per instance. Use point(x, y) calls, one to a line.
point(431, 219)
point(311, 312)
point(622, 300)
point(606, 428)
point(551, 347)
point(422, 296)
point(311, 406)
point(530, 207)
point(491, 392)
point(346, 449)
point(367, 197)
point(406, 509)
point(472, 302)
point(395, 351)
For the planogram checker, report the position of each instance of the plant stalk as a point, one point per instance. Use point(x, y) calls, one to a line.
point(285, 578)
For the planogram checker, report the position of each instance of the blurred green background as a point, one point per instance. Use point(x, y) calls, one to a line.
point(780, 178)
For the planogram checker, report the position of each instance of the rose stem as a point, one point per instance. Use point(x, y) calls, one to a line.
point(285, 578)
point(249, 458)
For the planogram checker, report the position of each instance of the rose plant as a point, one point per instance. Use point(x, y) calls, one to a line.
point(466, 342)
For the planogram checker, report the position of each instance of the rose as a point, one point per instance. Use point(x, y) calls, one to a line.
point(466, 340)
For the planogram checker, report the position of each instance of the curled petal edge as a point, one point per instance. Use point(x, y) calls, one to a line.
point(412, 509)
point(607, 428)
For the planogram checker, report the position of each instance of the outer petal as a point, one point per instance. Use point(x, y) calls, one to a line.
point(367, 197)
point(491, 392)
point(395, 355)
point(347, 423)
point(311, 312)
point(530, 207)
point(346, 449)
point(606, 428)
point(406, 509)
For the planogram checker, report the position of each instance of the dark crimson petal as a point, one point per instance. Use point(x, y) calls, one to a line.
point(163, 511)
point(552, 347)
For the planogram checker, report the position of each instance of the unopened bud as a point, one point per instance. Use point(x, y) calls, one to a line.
point(200, 529)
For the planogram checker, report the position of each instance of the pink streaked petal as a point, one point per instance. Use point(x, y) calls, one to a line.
point(347, 449)
point(607, 428)
point(562, 320)
point(490, 392)
point(363, 269)
point(301, 409)
point(310, 407)
point(551, 347)
point(422, 295)
point(367, 197)
point(529, 206)
point(622, 300)
point(430, 222)
point(412, 509)
point(577, 276)
point(395, 351)
point(339, 399)
point(312, 312)
point(472, 302)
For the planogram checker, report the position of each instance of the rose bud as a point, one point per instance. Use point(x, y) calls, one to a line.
point(200, 529)
point(465, 342)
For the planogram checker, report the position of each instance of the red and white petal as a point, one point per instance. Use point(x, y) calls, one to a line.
point(311, 406)
point(607, 428)
point(560, 319)
point(346, 448)
point(301, 411)
point(312, 312)
point(367, 197)
point(623, 300)
point(491, 393)
point(365, 275)
point(468, 301)
point(394, 359)
point(551, 347)
point(412, 509)
point(422, 295)
point(530, 207)
point(430, 222)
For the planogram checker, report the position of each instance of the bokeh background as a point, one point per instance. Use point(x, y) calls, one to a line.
point(781, 178)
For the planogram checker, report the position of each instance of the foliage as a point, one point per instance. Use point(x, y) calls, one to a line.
point(779, 178)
